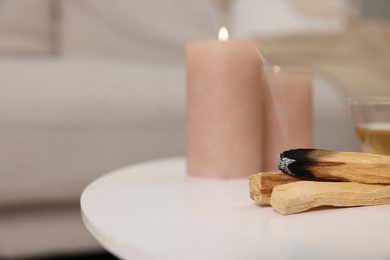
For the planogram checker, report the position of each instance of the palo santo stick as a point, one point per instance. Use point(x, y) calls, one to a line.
point(300, 196)
point(261, 185)
point(331, 165)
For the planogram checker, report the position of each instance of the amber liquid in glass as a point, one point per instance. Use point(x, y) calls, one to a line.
point(375, 137)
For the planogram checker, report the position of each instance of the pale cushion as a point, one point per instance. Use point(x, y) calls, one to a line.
point(138, 30)
point(25, 27)
point(64, 123)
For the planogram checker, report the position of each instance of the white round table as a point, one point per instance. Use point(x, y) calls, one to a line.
point(154, 211)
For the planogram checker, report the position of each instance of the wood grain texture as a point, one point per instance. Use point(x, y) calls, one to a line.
point(301, 196)
point(262, 184)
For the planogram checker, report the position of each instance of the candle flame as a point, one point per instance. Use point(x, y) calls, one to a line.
point(223, 34)
point(276, 69)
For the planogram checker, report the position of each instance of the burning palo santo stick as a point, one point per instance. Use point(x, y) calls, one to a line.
point(316, 164)
point(300, 196)
point(262, 184)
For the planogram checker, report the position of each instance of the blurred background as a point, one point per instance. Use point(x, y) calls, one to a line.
point(88, 86)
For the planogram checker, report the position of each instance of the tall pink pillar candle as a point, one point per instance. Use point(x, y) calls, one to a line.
point(288, 115)
point(224, 109)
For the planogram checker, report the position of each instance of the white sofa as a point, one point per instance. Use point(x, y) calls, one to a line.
point(63, 124)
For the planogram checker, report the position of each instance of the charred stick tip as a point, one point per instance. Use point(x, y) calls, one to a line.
point(294, 162)
point(283, 164)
